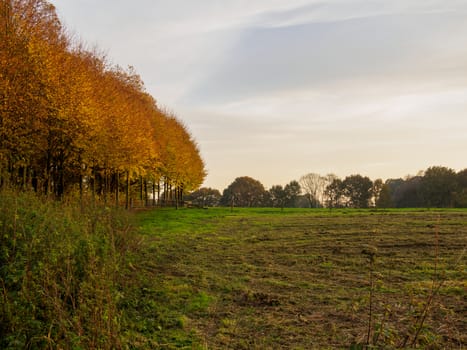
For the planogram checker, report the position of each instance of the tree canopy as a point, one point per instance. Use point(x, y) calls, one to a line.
point(438, 186)
point(244, 192)
point(204, 197)
point(68, 118)
point(284, 196)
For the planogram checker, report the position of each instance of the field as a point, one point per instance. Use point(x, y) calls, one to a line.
point(297, 279)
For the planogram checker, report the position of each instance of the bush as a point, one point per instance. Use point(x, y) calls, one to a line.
point(58, 273)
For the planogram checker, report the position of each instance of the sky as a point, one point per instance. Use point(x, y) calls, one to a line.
point(276, 89)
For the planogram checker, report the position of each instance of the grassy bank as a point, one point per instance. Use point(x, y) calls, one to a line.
point(60, 268)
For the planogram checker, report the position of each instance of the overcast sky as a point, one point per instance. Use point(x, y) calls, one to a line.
point(275, 89)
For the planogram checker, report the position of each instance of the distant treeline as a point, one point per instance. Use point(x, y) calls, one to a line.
point(72, 122)
point(437, 186)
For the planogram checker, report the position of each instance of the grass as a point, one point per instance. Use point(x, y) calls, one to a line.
point(76, 277)
point(295, 279)
point(59, 273)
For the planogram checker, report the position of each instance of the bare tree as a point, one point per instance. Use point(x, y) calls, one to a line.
point(312, 185)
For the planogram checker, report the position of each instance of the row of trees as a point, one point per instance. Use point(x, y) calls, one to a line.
point(435, 187)
point(70, 120)
point(248, 192)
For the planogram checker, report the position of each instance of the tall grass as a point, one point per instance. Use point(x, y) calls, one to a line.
point(59, 268)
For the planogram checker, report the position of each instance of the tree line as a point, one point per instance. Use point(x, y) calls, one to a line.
point(70, 121)
point(437, 186)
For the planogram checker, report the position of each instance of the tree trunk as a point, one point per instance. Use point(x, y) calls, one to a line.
point(141, 198)
point(159, 192)
point(81, 190)
point(146, 197)
point(127, 193)
point(93, 189)
point(105, 186)
point(117, 188)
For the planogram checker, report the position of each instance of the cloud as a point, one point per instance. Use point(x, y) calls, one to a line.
point(268, 59)
point(344, 10)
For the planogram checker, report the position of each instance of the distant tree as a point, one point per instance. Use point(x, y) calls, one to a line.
point(439, 186)
point(376, 190)
point(277, 196)
point(461, 195)
point(205, 197)
point(462, 178)
point(292, 191)
point(244, 192)
point(334, 193)
point(384, 198)
point(287, 196)
point(405, 193)
point(314, 186)
point(394, 186)
point(302, 202)
point(266, 200)
point(357, 190)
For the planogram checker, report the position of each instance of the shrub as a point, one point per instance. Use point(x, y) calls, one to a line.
point(58, 273)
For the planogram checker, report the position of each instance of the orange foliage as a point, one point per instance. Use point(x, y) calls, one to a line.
point(69, 118)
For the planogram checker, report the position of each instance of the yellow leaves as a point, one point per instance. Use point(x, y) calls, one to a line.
point(64, 106)
point(181, 161)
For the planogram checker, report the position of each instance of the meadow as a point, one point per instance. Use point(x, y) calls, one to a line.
point(296, 279)
point(92, 277)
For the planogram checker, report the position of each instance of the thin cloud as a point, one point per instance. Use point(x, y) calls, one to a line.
point(316, 54)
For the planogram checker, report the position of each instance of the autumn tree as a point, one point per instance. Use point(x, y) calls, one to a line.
point(69, 119)
point(29, 31)
point(182, 168)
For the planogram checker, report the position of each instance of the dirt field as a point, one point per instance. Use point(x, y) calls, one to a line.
point(304, 279)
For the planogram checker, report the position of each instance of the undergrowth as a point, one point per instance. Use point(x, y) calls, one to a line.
point(59, 273)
